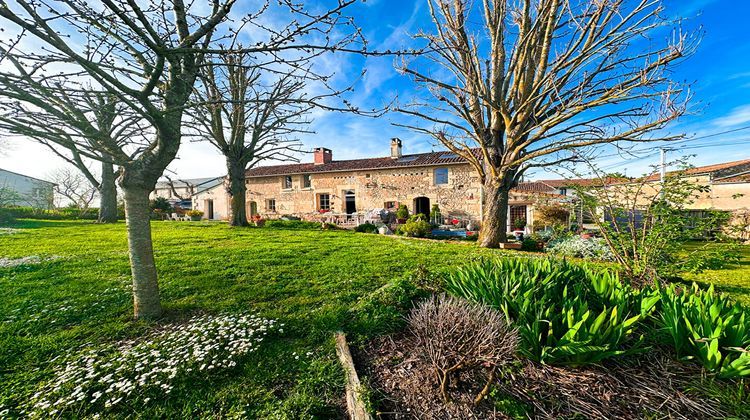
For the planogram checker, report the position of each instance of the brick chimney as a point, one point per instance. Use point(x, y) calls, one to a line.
point(322, 155)
point(395, 148)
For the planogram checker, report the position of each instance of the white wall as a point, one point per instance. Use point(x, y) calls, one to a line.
point(29, 191)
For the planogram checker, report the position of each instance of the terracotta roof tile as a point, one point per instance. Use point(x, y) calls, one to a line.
point(406, 161)
point(534, 186)
point(707, 169)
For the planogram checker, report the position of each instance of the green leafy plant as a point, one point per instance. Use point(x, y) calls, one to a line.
point(402, 212)
point(194, 214)
point(366, 228)
point(708, 327)
point(436, 216)
point(565, 313)
point(416, 227)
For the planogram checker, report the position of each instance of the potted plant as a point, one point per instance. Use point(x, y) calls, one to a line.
point(519, 225)
point(402, 214)
point(258, 220)
point(195, 215)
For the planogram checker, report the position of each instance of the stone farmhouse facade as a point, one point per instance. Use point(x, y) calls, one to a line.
point(348, 187)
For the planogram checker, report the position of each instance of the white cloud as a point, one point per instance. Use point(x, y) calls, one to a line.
point(738, 116)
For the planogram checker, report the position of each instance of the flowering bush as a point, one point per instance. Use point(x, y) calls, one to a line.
point(100, 379)
point(577, 247)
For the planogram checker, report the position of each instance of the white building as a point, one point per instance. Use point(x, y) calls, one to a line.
point(22, 190)
point(180, 191)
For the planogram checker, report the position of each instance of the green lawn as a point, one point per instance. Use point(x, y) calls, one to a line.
point(306, 279)
point(734, 280)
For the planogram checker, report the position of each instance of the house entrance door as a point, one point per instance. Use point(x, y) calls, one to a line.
point(210, 209)
point(422, 205)
point(350, 201)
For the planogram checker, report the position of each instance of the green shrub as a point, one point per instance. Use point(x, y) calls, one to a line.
point(292, 224)
point(529, 244)
point(708, 327)
point(366, 228)
point(416, 227)
point(6, 216)
point(11, 213)
point(565, 313)
point(402, 212)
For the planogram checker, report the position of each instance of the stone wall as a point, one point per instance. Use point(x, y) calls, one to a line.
point(220, 198)
point(372, 189)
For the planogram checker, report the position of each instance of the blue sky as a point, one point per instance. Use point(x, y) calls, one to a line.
point(719, 73)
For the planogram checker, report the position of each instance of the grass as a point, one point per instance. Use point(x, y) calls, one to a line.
point(307, 279)
point(733, 280)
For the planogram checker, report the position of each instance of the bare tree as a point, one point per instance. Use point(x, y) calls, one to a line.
point(249, 119)
point(75, 188)
point(43, 109)
point(515, 85)
point(148, 55)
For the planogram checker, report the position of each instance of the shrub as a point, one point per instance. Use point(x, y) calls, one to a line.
point(565, 313)
point(553, 215)
point(402, 212)
point(11, 213)
point(416, 227)
point(454, 334)
point(436, 216)
point(161, 203)
point(366, 228)
point(194, 213)
point(708, 327)
point(577, 247)
point(529, 244)
point(292, 224)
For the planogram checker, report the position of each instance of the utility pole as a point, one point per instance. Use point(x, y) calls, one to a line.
point(663, 169)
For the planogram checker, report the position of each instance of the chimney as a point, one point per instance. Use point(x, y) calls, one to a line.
point(395, 148)
point(322, 155)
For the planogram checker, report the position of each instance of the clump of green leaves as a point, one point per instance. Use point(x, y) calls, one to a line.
point(646, 224)
point(366, 228)
point(416, 227)
point(708, 327)
point(565, 313)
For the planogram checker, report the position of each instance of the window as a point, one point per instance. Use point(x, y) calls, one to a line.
point(287, 183)
point(324, 202)
point(563, 191)
point(390, 205)
point(306, 181)
point(271, 204)
point(441, 176)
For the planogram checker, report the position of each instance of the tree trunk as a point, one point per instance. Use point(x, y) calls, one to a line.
point(107, 195)
point(146, 303)
point(237, 192)
point(494, 229)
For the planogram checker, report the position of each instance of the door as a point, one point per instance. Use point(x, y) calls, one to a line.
point(422, 205)
point(350, 201)
point(210, 209)
point(253, 208)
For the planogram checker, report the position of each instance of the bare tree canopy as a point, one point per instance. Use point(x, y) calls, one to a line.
point(515, 85)
point(148, 55)
point(75, 188)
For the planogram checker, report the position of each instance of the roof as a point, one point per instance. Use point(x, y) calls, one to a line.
point(406, 161)
point(209, 184)
point(195, 182)
point(534, 186)
point(27, 176)
point(720, 169)
point(582, 182)
point(734, 179)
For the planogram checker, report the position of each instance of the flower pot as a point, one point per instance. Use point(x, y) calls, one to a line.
point(195, 218)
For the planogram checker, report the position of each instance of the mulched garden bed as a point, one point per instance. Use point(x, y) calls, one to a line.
point(649, 385)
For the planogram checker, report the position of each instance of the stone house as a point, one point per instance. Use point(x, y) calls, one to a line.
point(355, 186)
point(23, 190)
